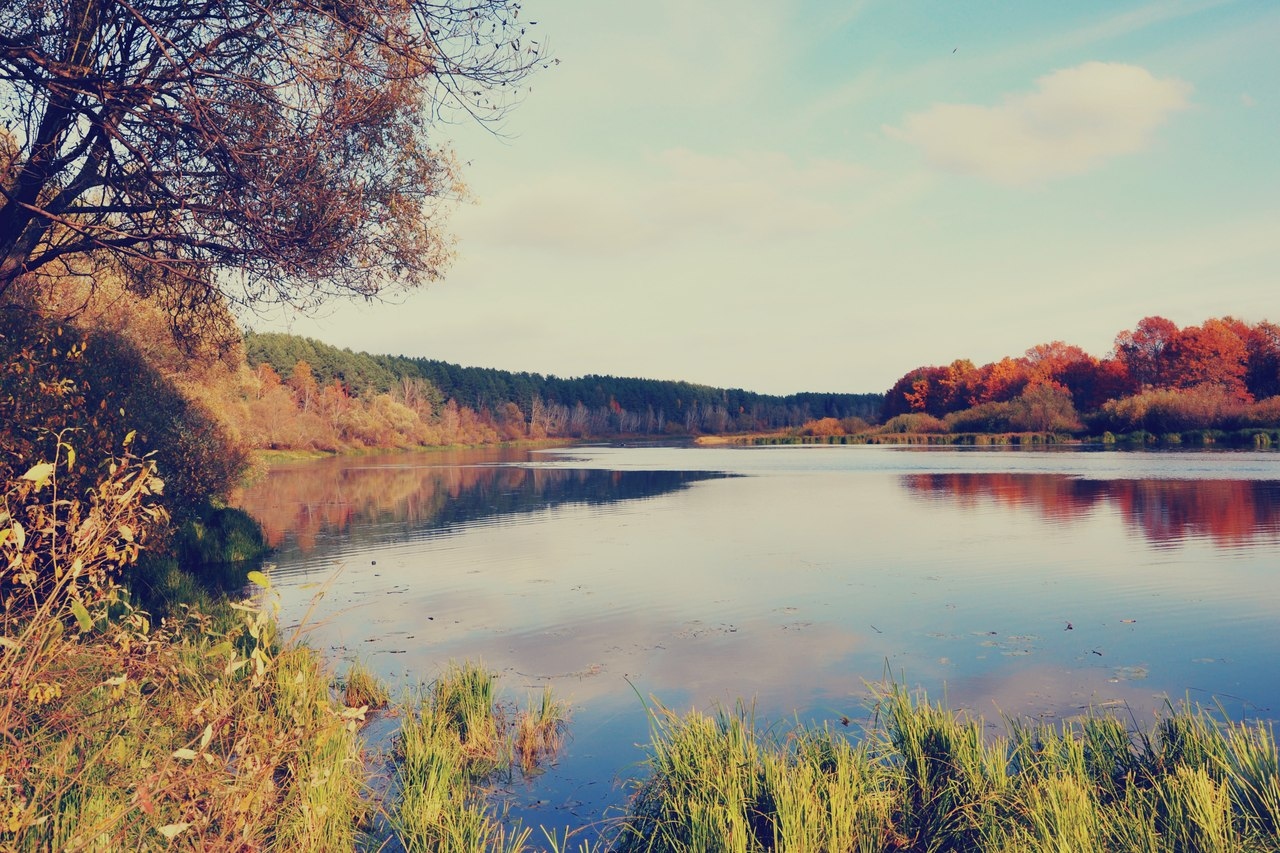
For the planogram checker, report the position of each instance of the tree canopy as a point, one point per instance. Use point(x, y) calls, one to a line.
point(275, 151)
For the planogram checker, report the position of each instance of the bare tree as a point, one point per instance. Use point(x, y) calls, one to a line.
point(262, 151)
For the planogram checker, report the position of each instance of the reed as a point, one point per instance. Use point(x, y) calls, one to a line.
point(540, 732)
point(437, 807)
point(464, 697)
point(361, 688)
point(452, 743)
point(921, 777)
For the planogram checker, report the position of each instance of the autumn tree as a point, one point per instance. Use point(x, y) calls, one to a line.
point(273, 151)
point(1263, 374)
point(1000, 381)
point(305, 388)
point(1142, 350)
point(1212, 353)
point(932, 390)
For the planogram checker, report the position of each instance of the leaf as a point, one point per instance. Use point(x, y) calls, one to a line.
point(39, 474)
point(185, 754)
point(7, 643)
point(173, 830)
point(234, 666)
point(82, 615)
point(71, 456)
point(126, 532)
point(206, 736)
point(260, 579)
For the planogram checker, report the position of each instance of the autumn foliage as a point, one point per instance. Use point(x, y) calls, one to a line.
point(1222, 373)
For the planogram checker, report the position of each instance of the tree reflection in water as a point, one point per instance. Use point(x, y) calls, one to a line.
point(1228, 512)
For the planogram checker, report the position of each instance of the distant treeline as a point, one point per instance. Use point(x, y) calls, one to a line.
point(549, 405)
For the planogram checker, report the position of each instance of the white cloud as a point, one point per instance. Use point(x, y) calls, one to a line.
point(1075, 120)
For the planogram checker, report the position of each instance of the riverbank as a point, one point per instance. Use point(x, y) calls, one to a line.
point(1260, 439)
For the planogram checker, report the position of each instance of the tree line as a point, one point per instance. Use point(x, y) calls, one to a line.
point(420, 400)
point(1222, 373)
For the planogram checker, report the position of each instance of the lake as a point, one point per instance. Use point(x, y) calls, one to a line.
point(1033, 583)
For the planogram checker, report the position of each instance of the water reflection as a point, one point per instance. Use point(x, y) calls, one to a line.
point(317, 508)
point(1227, 512)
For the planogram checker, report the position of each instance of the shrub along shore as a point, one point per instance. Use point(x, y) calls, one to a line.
point(1258, 439)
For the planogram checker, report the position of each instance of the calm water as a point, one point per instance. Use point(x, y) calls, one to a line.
point(1025, 583)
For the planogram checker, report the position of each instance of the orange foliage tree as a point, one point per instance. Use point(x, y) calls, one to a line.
point(1157, 377)
point(1212, 353)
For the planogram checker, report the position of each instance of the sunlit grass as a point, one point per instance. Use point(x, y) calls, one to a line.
point(361, 688)
point(129, 735)
point(540, 732)
point(451, 743)
point(921, 777)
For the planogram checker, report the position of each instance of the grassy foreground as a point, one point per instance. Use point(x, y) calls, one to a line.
point(923, 778)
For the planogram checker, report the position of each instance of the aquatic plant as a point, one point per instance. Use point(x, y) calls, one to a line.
point(361, 688)
point(540, 732)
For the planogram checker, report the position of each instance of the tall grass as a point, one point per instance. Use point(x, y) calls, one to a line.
point(540, 732)
point(920, 777)
point(361, 688)
point(452, 742)
point(130, 735)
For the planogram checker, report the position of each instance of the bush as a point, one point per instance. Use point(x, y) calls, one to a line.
point(914, 422)
point(1171, 410)
point(1264, 413)
point(822, 427)
point(984, 417)
point(59, 546)
point(219, 535)
point(93, 389)
point(1044, 408)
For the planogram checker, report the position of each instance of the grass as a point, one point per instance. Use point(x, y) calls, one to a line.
point(920, 777)
point(540, 732)
point(128, 735)
point(361, 688)
point(204, 731)
point(451, 743)
point(205, 734)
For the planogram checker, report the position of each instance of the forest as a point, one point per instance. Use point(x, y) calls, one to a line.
point(302, 393)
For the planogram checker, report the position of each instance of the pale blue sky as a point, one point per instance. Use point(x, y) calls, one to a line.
point(819, 196)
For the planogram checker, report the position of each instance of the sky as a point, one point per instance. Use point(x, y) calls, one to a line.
point(790, 196)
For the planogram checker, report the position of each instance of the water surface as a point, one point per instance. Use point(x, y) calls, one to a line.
point(1034, 583)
